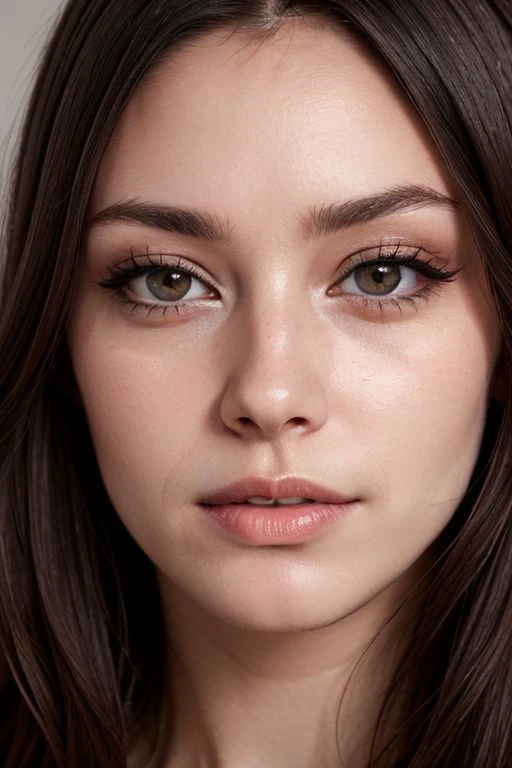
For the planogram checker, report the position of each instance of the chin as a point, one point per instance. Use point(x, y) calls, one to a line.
point(282, 611)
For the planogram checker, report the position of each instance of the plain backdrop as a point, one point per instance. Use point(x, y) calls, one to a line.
point(24, 28)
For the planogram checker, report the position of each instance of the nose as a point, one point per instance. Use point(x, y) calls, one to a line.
point(276, 382)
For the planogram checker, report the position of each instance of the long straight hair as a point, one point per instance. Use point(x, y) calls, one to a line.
point(81, 632)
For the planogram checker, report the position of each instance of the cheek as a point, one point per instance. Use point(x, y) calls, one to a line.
point(421, 410)
point(147, 413)
point(428, 447)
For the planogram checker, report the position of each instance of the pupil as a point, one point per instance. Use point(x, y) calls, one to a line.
point(169, 285)
point(378, 279)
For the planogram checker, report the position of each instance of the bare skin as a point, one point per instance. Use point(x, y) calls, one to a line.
point(280, 364)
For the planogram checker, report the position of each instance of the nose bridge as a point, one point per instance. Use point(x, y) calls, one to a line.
point(274, 379)
point(275, 314)
point(273, 329)
point(269, 354)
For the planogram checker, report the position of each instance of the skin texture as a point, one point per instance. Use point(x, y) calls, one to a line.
point(274, 374)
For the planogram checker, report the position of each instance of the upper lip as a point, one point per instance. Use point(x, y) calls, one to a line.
point(273, 488)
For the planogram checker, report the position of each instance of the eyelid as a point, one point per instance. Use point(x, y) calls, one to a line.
point(161, 260)
point(391, 244)
point(146, 263)
point(399, 254)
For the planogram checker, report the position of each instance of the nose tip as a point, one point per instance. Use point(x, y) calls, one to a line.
point(250, 408)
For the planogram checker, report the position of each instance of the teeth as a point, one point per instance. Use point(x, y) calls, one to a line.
point(276, 502)
point(292, 500)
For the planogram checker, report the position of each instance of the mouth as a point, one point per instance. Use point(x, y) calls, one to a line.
point(285, 491)
point(282, 511)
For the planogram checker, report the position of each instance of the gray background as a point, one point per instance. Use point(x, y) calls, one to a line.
point(24, 28)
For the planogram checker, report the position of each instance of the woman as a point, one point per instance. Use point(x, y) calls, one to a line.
point(255, 345)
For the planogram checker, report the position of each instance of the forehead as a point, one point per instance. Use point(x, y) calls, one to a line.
point(245, 127)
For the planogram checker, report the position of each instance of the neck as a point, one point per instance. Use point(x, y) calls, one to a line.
point(308, 698)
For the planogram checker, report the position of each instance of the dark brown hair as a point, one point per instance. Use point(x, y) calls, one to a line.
point(81, 636)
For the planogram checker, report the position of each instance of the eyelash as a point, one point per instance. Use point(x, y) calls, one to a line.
point(124, 273)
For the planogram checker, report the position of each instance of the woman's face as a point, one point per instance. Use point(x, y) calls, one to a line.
point(282, 354)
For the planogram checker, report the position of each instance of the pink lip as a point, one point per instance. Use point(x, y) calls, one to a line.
point(263, 526)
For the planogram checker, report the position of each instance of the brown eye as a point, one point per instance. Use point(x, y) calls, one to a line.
point(378, 279)
point(169, 284)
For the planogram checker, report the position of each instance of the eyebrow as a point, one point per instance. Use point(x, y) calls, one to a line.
point(317, 222)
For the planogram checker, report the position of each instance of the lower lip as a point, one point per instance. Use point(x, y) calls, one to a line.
point(275, 525)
